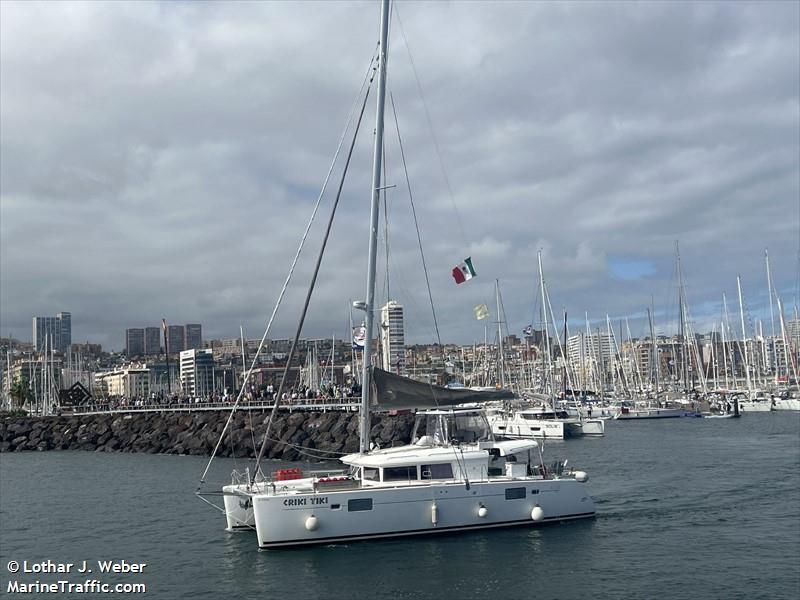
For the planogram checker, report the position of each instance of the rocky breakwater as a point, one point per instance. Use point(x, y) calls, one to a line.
point(294, 435)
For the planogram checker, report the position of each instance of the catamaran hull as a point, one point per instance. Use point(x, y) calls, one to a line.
point(238, 508)
point(369, 513)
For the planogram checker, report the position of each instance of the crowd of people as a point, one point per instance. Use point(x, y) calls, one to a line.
point(265, 395)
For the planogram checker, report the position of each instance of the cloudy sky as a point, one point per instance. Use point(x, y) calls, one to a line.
point(161, 159)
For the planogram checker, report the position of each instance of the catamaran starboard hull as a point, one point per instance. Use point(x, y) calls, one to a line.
point(369, 513)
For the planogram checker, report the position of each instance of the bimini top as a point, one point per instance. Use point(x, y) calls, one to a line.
point(394, 392)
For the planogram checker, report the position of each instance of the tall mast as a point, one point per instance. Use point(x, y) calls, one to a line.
point(544, 322)
point(772, 318)
point(732, 350)
point(724, 355)
point(590, 355)
point(564, 358)
point(684, 340)
point(244, 359)
point(333, 359)
point(636, 359)
point(8, 378)
point(654, 347)
point(500, 350)
point(611, 358)
point(383, 57)
point(744, 333)
point(711, 372)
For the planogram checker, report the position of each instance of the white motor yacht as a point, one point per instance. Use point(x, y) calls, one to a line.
point(542, 422)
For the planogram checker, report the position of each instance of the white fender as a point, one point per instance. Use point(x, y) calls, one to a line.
point(537, 514)
point(312, 523)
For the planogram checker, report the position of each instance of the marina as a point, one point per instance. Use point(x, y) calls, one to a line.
point(419, 300)
point(709, 508)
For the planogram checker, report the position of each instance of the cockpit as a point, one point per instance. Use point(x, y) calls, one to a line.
point(460, 426)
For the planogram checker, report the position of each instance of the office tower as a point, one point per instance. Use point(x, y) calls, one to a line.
point(65, 320)
point(193, 336)
point(56, 330)
point(175, 339)
point(152, 340)
point(134, 342)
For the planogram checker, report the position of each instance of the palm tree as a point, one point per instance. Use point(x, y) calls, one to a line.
point(21, 392)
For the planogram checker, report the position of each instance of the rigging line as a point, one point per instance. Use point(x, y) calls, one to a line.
point(409, 297)
point(416, 223)
point(299, 330)
point(433, 133)
point(312, 452)
point(219, 508)
point(367, 78)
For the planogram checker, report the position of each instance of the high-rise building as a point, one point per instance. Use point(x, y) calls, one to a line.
point(393, 345)
point(56, 330)
point(65, 319)
point(197, 372)
point(44, 331)
point(192, 336)
point(793, 330)
point(152, 340)
point(595, 348)
point(134, 342)
point(175, 339)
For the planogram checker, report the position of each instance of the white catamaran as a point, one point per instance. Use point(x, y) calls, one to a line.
point(453, 476)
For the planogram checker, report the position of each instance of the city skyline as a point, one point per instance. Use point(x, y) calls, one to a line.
point(599, 134)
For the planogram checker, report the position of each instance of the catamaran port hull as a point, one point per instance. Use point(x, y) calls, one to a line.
point(238, 508)
point(379, 512)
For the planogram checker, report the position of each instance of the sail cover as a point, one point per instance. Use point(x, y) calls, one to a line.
point(394, 392)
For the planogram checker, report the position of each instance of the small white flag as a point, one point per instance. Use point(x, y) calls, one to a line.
point(481, 312)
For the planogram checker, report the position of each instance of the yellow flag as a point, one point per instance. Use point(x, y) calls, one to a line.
point(481, 312)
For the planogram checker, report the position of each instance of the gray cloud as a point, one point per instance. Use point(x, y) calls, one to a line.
point(161, 159)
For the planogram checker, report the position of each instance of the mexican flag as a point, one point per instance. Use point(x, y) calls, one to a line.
point(464, 271)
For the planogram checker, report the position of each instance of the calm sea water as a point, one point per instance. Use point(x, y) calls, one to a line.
point(687, 508)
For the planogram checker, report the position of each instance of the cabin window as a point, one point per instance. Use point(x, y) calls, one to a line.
point(371, 474)
point(437, 471)
point(534, 491)
point(515, 493)
point(400, 473)
point(357, 504)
